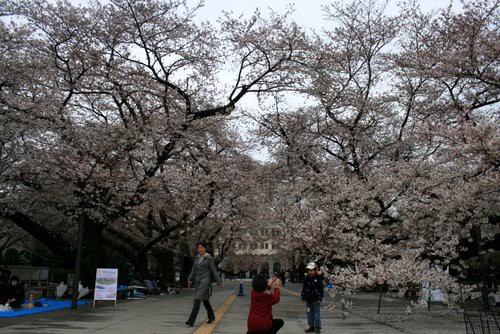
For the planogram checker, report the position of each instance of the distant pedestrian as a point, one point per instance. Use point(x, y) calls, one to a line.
point(263, 297)
point(201, 274)
point(283, 277)
point(293, 275)
point(312, 294)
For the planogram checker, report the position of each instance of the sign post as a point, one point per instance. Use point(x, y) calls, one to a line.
point(106, 282)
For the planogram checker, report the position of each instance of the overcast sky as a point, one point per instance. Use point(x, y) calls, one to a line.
point(308, 13)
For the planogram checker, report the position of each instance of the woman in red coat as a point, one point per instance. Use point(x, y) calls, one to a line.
point(260, 317)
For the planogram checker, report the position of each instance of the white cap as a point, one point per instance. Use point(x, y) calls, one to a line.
point(311, 265)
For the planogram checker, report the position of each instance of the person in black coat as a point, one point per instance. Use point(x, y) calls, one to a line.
point(14, 294)
point(313, 293)
point(283, 277)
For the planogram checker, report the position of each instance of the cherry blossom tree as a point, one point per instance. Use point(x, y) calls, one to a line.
point(121, 113)
point(397, 160)
point(111, 108)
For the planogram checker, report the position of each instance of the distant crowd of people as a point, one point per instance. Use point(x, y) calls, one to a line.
point(150, 281)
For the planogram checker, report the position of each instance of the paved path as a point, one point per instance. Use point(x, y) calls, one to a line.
point(166, 314)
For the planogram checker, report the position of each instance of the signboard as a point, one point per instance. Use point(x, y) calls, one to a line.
point(106, 281)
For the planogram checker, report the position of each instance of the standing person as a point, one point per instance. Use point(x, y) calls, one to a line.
point(283, 277)
point(14, 294)
point(260, 317)
point(312, 294)
point(201, 273)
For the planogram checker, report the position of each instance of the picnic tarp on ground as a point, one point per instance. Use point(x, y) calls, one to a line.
point(48, 305)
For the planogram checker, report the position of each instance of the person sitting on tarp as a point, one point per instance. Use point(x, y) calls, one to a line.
point(151, 283)
point(14, 294)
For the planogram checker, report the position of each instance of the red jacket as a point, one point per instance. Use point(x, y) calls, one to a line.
point(260, 317)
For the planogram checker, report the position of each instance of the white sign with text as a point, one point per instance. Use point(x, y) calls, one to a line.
point(106, 282)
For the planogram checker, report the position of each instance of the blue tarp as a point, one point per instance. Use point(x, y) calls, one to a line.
point(48, 305)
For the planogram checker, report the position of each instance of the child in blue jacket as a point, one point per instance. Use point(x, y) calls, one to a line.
point(312, 294)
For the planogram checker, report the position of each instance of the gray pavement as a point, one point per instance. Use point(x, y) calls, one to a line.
point(166, 314)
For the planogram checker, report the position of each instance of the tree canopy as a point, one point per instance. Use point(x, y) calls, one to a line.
point(128, 112)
